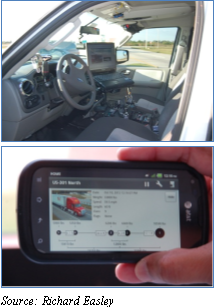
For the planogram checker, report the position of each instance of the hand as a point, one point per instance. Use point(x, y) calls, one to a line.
point(178, 266)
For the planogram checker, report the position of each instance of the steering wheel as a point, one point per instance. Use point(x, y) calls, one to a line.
point(74, 81)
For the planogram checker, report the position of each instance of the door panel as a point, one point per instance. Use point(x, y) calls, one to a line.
point(150, 52)
point(151, 78)
point(148, 81)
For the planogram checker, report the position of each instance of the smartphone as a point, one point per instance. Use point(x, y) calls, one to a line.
point(109, 212)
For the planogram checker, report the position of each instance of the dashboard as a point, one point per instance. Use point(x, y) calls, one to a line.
point(32, 99)
point(37, 87)
point(36, 81)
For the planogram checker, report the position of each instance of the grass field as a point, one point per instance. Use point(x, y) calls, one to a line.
point(141, 65)
point(166, 50)
point(161, 49)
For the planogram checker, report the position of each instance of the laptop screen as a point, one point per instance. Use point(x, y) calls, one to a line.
point(101, 57)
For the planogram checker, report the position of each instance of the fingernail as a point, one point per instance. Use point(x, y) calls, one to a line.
point(141, 271)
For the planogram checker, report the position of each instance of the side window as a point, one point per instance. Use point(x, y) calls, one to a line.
point(151, 47)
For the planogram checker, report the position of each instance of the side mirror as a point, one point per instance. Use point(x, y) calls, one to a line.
point(122, 56)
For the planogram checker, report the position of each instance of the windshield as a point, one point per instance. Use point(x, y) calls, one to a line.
point(22, 20)
point(75, 42)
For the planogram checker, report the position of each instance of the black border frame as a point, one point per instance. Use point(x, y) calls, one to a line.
point(24, 213)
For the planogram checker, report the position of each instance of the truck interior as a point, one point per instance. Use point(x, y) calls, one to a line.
point(125, 84)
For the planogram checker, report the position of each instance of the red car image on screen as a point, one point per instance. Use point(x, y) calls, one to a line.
point(66, 203)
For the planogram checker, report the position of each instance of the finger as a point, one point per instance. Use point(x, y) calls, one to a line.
point(209, 184)
point(177, 267)
point(125, 272)
point(198, 157)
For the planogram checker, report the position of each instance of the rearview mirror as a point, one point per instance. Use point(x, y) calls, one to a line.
point(122, 56)
point(89, 30)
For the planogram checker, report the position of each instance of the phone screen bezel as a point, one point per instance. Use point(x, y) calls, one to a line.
point(188, 230)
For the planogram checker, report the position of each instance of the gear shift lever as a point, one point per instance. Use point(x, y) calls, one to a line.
point(129, 97)
point(45, 69)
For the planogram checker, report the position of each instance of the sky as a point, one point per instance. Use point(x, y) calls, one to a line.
point(24, 20)
point(162, 34)
point(14, 25)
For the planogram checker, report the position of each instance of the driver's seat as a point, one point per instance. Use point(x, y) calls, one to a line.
point(115, 129)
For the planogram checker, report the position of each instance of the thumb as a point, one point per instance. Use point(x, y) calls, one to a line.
point(178, 266)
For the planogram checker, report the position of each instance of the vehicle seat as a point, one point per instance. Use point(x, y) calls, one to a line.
point(147, 103)
point(114, 129)
point(175, 83)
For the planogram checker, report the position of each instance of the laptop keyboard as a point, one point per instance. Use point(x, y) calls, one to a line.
point(108, 77)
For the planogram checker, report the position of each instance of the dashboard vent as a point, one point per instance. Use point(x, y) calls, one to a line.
point(26, 87)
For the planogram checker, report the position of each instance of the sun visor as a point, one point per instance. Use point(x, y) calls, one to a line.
point(157, 13)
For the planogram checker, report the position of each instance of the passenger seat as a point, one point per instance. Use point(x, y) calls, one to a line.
point(176, 80)
point(147, 103)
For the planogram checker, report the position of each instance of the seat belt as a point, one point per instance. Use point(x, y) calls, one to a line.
point(166, 86)
point(178, 63)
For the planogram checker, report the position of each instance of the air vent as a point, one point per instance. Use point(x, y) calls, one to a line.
point(26, 87)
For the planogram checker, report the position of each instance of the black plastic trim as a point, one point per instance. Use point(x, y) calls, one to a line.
point(24, 212)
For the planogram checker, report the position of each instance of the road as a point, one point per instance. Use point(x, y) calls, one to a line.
point(147, 57)
point(63, 215)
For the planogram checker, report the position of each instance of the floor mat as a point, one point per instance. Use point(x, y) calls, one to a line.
point(62, 129)
point(42, 135)
point(68, 133)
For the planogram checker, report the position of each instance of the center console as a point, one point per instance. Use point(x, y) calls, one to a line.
point(122, 106)
point(125, 108)
point(102, 64)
